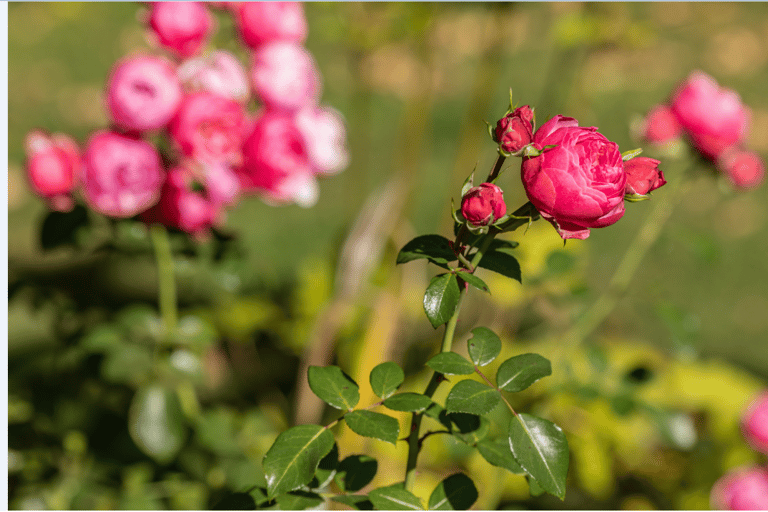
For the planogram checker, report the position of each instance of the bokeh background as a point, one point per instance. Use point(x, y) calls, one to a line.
point(651, 403)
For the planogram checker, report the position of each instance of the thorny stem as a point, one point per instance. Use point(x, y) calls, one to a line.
point(167, 282)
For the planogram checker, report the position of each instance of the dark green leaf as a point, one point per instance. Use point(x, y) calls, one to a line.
point(517, 373)
point(501, 244)
point(298, 500)
point(102, 338)
point(484, 346)
point(394, 497)
point(541, 449)
point(469, 428)
point(386, 378)
point(499, 454)
point(60, 228)
point(236, 501)
point(472, 397)
point(503, 263)
point(294, 457)
point(408, 402)
point(326, 470)
point(355, 472)
point(451, 363)
point(441, 299)
point(435, 248)
point(474, 281)
point(457, 492)
point(355, 501)
point(436, 412)
point(333, 386)
point(156, 422)
point(374, 424)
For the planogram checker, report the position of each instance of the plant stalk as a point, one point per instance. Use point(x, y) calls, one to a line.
point(166, 279)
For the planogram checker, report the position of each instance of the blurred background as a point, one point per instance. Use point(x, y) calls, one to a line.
point(650, 402)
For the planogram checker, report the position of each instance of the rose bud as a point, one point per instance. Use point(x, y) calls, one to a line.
point(209, 128)
point(483, 204)
point(264, 22)
point(218, 72)
point(660, 125)
point(53, 165)
point(714, 118)
point(122, 175)
point(754, 423)
point(182, 27)
point(745, 488)
point(643, 176)
point(326, 138)
point(181, 206)
point(143, 93)
point(580, 183)
point(743, 168)
point(285, 76)
point(514, 131)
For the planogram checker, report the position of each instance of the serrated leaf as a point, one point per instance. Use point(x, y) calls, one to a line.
point(294, 457)
point(386, 378)
point(298, 500)
point(517, 373)
point(541, 449)
point(451, 363)
point(434, 248)
point(408, 402)
point(394, 497)
point(474, 281)
point(457, 492)
point(499, 454)
point(333, 386)
point(501, 262)
point(441, 299)
point(373, 424)
point(468, 428)
point(472, 397)
point(156, 422)
point(355, 472)
point(355, 501)
point(484, 346)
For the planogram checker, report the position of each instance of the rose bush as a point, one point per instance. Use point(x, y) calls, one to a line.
point(182, 27)
point(284, 76)
point(218, 72)
point(53, 167)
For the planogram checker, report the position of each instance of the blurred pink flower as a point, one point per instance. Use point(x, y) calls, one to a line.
point(218, 72)
point(264, 22)
point(660, 125)
point(745, 169)
point(326, 138)
point(183, 27)
point(754, 423)
point(745, 488)
point(181, 206)
point(53, 167)
point(285, 76)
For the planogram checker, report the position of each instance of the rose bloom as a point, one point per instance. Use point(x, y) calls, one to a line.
point(326, 138)
point(263, 22)
point(53, 166)
point(754, 424)
point(643, 175)
point(182, 207)
point(182, 27)
point(209, 128)
point(660, 125)
point(218, 72)
point(714, 118)
point(745, 488)
point(482, 204)
point(285, 76)
point(743, 168)
point(579, 184)
point(122, 175)
point(143, 93)
point(222, 185)
point(514, 130)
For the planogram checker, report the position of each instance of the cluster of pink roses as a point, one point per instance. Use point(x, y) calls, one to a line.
point(714, 121)
point(746, 488)
point(197, 102)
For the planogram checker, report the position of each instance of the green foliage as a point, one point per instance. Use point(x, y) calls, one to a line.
point(498, 453)
point(434, 248)
point(484, 346)
point(373, 424)
point(540, 447)
point(451, 363)
point(517, 373)
point(473, 280)
point(441, 299)
point(394, 497)
point(355, 472)
point(155, 421)
point(408, 402)
point(333, 386)
point(457, 492)
point(472, 397)
point(293, 458)
point(386, 378)
point(61, 228)
point(500, 261)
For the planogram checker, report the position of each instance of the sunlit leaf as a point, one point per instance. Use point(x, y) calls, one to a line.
point(333, 386)
point(441, 299)
point(472, 397)
point(541, 449)
point(294, 457)
point(484, 346)
point(517, 373)
point(373, 424)
point(451, 363)
point(386, 378)
point(394, 497)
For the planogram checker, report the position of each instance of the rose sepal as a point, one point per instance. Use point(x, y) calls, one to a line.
point(468, 184)
point(636, 198)
point(632, 153)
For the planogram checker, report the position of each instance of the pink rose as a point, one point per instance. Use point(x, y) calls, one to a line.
point(53, 165)
point(182, 27)
point(222, 184)
point(218, 72)
point(743, 168)
point(754, 423)
point(285, 76)
point(326, 138)
point(742, 489)
point(514, 131)
point(580, 183)
point(643, 176)
point(660, 125)
point(483, 204)
point(122, 175)
point(143, 93)
point(714, 118)
point(264, 22)
point(181, 206)
point(209, 128)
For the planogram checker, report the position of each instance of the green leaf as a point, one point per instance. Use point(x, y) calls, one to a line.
point(469, 428)
point(299, 500)
point(474, 281)
point(386, 378)
point(435, 248)
point(355, 472)
point(472, 397)
point(355, 501)
point(60, 228)
point(484, 346)
point(294, 457)
point(333, 386)
point(501, 262)
point(374, 424)
point(541, 449)
point(326, 470)
point(438, 413)
point(394, 497)
point(517, 373)
point(441, 299)
point(468, 184)
point(533, 488)
point(156, 423)
point(499, 454)
point(457, 492)
point(501, 244)
point(451, 363)
point(408, 402)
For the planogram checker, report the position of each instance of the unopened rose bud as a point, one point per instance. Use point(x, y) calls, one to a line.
point(285, 76)
point(143, 93)
point(514, 131)
point(743, 168)
point(264, 22)
point(182, 27)
point(643, 176)
point(218, 72)
point(53, 165)
point(483, 204)
point(754, 424)
point(745, 488)
point(660, 125)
